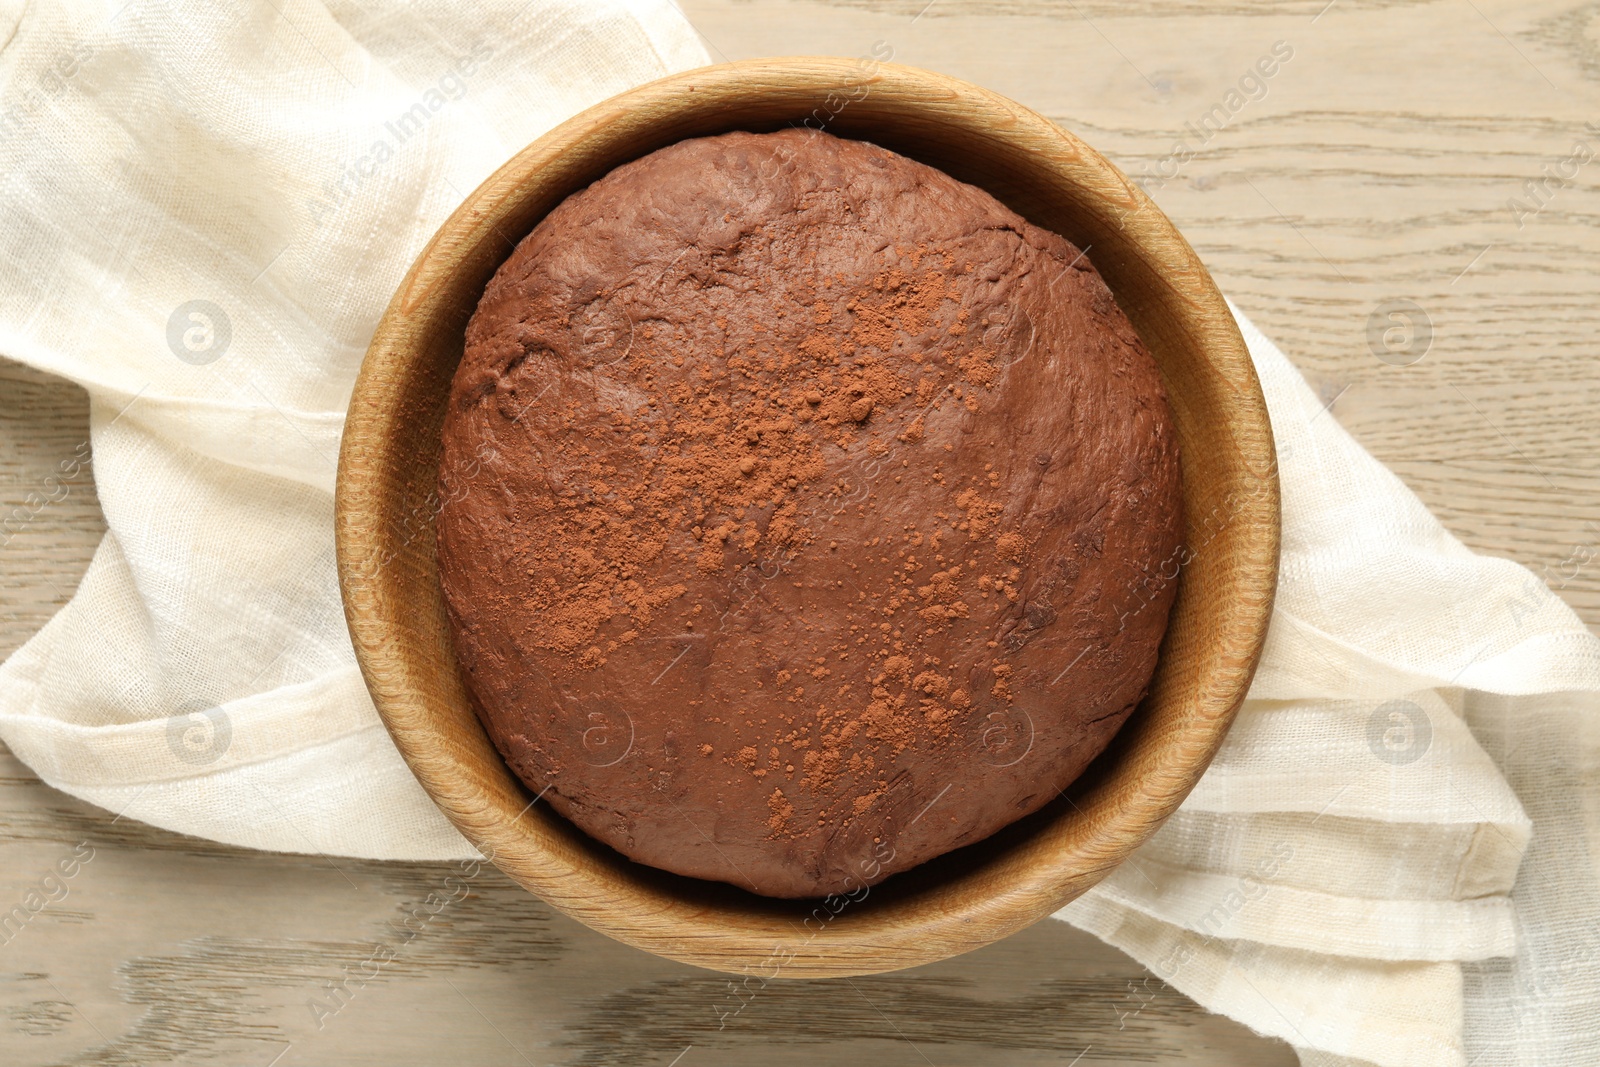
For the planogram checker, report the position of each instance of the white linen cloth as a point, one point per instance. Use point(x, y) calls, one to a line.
point(206, 209)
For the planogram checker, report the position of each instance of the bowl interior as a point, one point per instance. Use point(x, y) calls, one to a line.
point(387, 500)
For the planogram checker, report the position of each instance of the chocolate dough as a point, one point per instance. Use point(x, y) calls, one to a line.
point(806, 512)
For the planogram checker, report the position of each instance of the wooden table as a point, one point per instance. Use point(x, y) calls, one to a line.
point(1379, 163)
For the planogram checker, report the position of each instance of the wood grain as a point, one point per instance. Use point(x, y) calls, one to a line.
point(49, 522)
point(1394, 154)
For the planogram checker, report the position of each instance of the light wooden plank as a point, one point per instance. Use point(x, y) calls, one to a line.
point(1391, 141)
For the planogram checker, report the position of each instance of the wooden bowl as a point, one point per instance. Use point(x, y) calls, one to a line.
point(386, 505)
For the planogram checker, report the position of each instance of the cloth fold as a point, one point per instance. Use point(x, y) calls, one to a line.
point(1356, 873)
point(1392, 860)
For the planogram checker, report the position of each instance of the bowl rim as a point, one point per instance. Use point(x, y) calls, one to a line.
point(396, 639)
